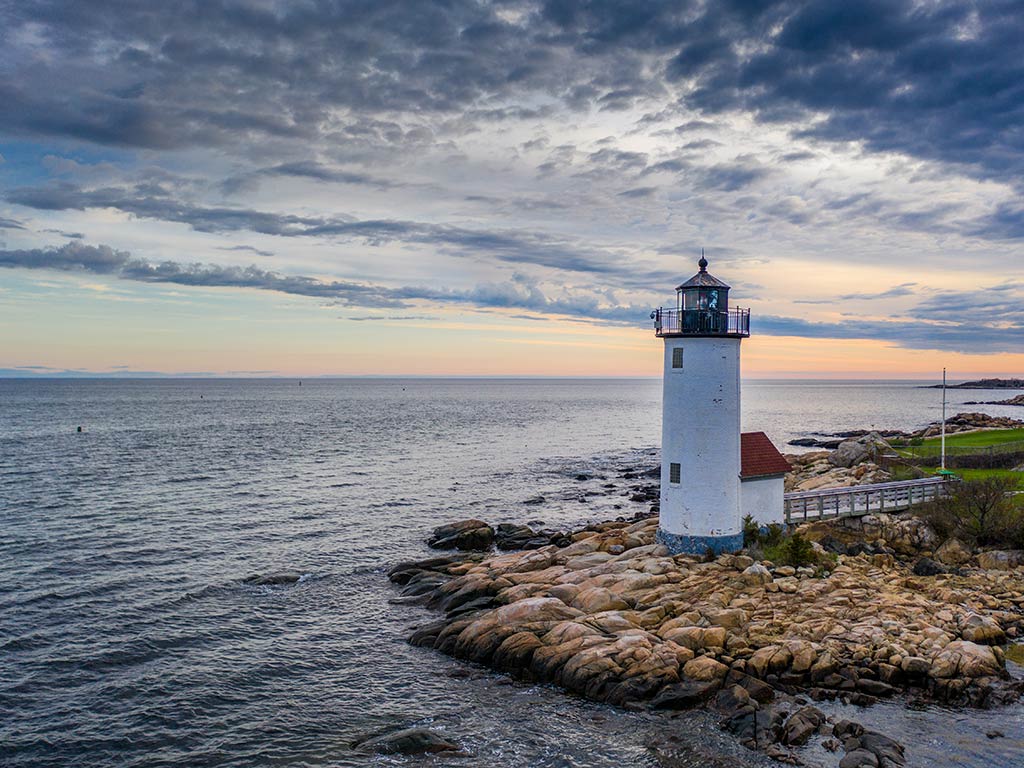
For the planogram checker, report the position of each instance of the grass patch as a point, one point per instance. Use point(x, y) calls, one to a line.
point(983, 439)
point(1015, 653)
point(985, 474)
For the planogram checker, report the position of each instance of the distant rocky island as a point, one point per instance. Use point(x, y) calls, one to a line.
point(983, 384)
point(1016, 400)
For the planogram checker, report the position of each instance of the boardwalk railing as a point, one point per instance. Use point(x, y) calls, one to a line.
point(857, 500)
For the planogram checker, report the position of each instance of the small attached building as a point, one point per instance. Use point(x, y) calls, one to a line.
point(762, 473)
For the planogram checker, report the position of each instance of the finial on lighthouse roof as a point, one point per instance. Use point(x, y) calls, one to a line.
point(703, 263)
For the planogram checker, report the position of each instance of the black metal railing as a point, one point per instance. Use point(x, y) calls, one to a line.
point(701, 322)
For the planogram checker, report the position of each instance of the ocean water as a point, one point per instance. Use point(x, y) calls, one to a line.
point(129, 637)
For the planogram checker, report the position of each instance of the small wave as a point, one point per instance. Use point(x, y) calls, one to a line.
point(277, 579)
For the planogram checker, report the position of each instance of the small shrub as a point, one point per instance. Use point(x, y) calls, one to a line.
point(979, 511)
point(795, 550)
point(751, 531)
point(774, 534)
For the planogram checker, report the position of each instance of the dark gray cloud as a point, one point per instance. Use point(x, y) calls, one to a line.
point(68, 235)
point(245, 248)
point(962, 336)
point(10, 224)
point(940, 81)
point(903, 289)
point(639, 192)
point(520, 293)
point(510, 246)
point(73, 257)
point(937, 323)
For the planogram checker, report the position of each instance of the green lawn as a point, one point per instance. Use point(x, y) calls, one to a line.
point(977, 439)
point(961, 443)
point(983, 474)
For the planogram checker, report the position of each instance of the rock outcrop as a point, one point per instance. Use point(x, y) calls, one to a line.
point(465, 535)
point(408, 741)
point(613, 617)
point(817, 469)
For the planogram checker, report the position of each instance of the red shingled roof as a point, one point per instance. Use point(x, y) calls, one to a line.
point(758, 457)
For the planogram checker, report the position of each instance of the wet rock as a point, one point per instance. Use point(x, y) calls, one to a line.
point(508, 536)
point(273, 579)
point(890, 753)
point(859, 758)
point(733, 698)
point(875, 687)
point(465, 535)
point(759, 691)
point(684, 695)
point(925, 566)
point(410, 741)
point(801, 725)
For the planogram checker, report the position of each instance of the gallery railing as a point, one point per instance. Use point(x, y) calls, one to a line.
point(701, 322)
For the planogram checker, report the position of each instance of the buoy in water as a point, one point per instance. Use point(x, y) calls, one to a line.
point(79, 429)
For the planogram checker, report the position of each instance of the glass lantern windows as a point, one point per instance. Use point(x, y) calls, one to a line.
point(706, 299)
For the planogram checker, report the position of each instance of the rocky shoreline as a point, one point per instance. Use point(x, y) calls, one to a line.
point(961, 422)
point(1016, 400)
point(611, 616)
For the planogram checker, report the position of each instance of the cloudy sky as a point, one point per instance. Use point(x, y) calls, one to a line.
point(375, 187)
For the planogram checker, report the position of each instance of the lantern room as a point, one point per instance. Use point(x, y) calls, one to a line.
point(703, 292)
point(702, 309)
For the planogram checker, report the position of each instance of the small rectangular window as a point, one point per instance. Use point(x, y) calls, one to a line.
point(677, 357)
point(673, 473)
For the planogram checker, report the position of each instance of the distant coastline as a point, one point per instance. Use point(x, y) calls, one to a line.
point(983, 384)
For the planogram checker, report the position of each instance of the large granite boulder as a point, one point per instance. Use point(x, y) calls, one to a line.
point(1000, 560)
point(850, 453)
point(962, 658)
point(953, 552)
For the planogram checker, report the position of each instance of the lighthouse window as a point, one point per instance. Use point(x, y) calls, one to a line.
point(673, 473)
point(677, 357)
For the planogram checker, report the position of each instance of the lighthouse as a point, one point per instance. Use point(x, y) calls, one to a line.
point(700, 426)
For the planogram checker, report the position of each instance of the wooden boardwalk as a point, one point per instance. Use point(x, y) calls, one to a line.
point(805, 506)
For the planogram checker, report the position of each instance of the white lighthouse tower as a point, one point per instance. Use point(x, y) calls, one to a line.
point(700, 427)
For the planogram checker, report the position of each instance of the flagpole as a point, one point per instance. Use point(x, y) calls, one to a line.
point(943, 447)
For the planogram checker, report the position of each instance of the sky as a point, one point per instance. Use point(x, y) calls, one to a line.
point(385, 187)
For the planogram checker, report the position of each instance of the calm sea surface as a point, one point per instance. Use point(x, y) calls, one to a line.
point(127, 634)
